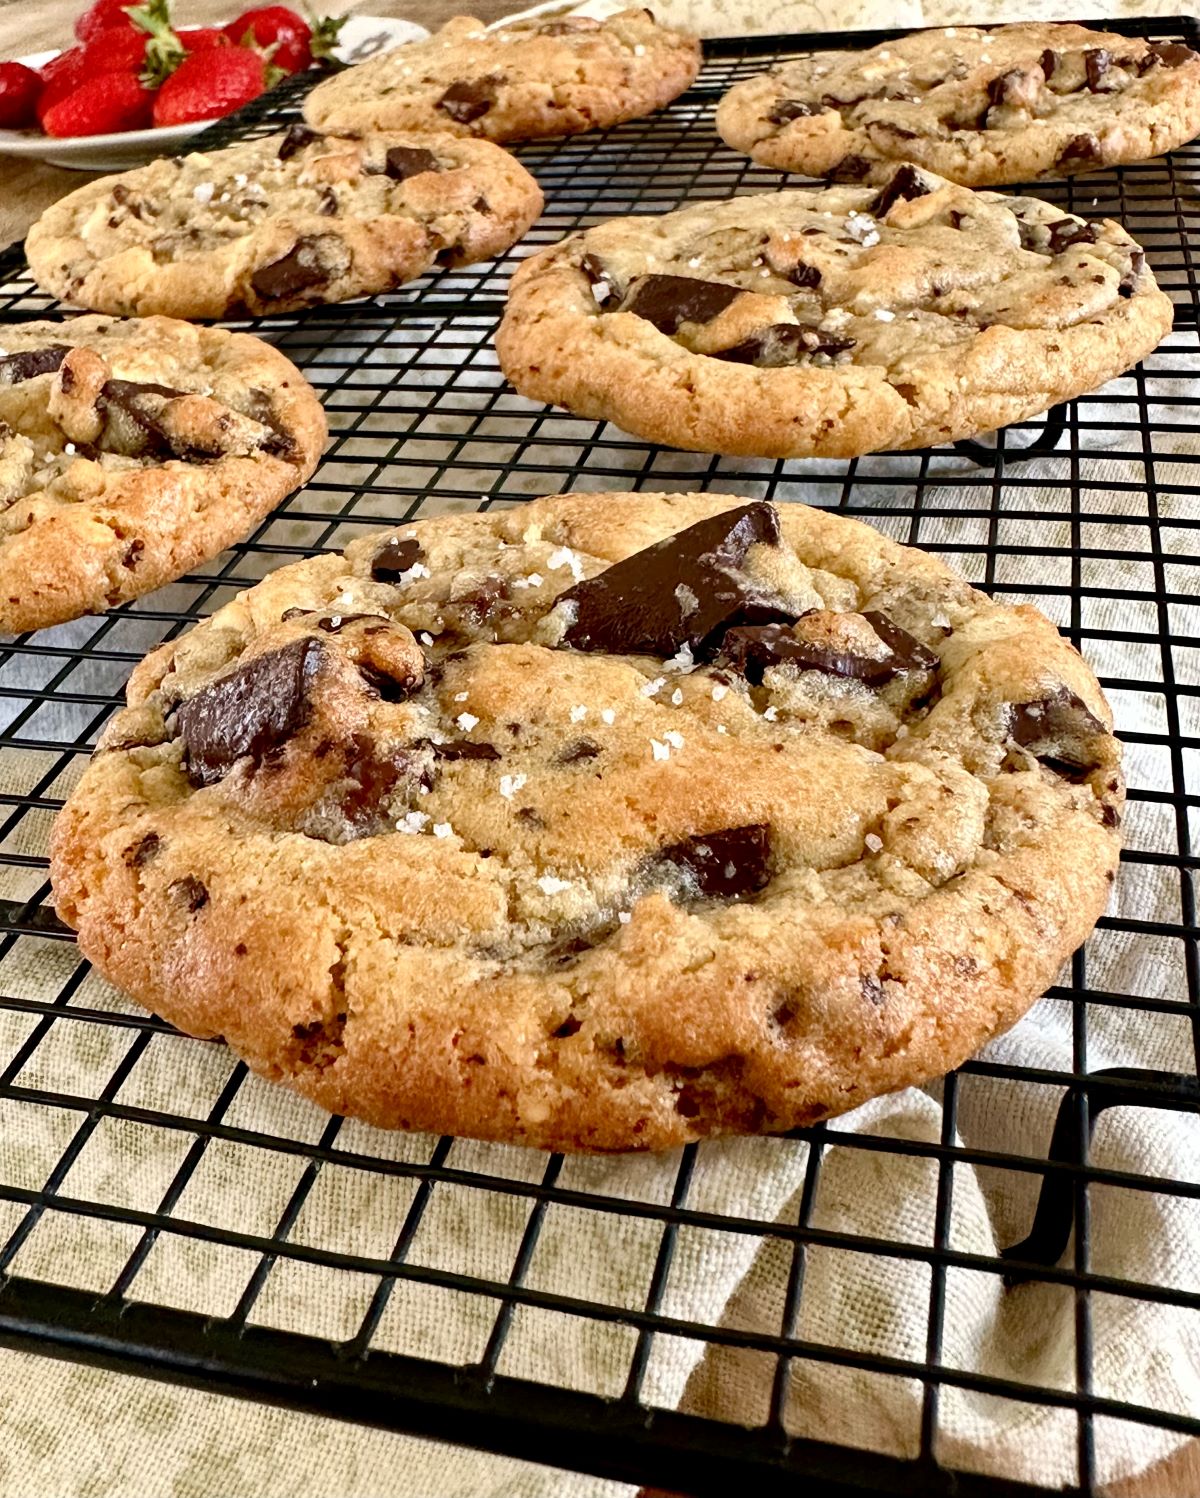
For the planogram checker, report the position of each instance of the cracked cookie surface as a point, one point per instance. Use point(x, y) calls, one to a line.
point(982, 107)
point(131, 451)
point(831, 322)
point(548, 76)
point(293, 220)
point(603, 822)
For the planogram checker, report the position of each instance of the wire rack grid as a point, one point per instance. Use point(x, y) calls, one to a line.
point(1095, 508)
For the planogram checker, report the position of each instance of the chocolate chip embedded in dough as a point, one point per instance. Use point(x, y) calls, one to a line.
point(783, 344)
point(333, 624)
point(469, 99)
point(1096, 62)
point(1065, 232)
point(404, 162)
point(1050, 61)
point(465, 749)
point(851, 169)
point(1081, 148)
point(16, 368)
point(1129, 281)
point(1060, 730)
point(1167, 55)
point(808, 277)
point(314, 260)
point(1008, 88)
point(669, 301)
point(752, 650)
point(295, 138)
point(190, 892)
point(328, 206)
point(907, 183)
point(250, 713)
point(603, 282)
point(685, 590)
point(727, 864)
point(145, 849)
point(579, 752)
point(786, 110)
point(395, 557)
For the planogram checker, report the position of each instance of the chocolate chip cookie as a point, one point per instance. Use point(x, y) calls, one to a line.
point(545, 76)
point(831, 322)
point(290, 221)
point(131, 451)
point(604, 822)
point(982, 107)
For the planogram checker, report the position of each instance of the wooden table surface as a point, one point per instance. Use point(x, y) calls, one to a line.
point(34, 25)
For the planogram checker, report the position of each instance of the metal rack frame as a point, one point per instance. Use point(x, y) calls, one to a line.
point(449, 432)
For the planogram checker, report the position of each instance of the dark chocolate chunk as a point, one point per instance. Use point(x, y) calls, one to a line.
point(1097, 61)
point(683, 591)
point(1167, 55)
point(601, 278)
point(570, 1026)
point(784, 343)
point(250, 713)
point(395, 557)
point(143, 850)
point(295, 138)
point(133, 553)
point(469, 98)
point(14, 368)
point(578, 752)
point(1050, 61)
point(404, 162)
point(907, 183)
point(726, 864)
point(787, 110)
point(851, 169)
point(191, 892)
point(872, 989)
point(807, 276)
point(1081, 148)
point(333, 624)
point(1065, 232)
point(668, 301)
point(1129, 281)
point(1060, 731)
point(751, 650)
point(328, 206)
point(465, 749)
point(1109, 815)
point(308, 263)
point(389, 688)
point(259, 407)
point(485, 600)
point(133, 426)
point(373, 777)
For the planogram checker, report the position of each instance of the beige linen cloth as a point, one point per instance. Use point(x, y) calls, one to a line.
point(72, 1430)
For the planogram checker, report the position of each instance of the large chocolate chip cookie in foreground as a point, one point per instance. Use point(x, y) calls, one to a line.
point(604, 822)
point(831, 322)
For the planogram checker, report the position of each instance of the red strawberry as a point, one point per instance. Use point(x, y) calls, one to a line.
point(209, 84)
point(61, 76)
point(102, 16)
point(202, 38)
point(117, 50)
point(19, 90)
point(287, 40)
point(105, 104)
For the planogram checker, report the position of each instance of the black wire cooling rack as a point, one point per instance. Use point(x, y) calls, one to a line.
point(422, 422)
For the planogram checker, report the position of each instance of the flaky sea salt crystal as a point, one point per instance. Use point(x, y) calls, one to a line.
point(608, 715)
point(511, 784)
point(659, 750)
point(873, 842)
point(677, 696)
point(442, 829)
point(652, 688)
point(466, 721)
point(549, 885)
point(674, 738)
point(578, 714)
point(719, 691)
point(203, 192)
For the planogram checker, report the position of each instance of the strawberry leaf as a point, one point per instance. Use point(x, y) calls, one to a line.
point(164, 50)
point(326, 30)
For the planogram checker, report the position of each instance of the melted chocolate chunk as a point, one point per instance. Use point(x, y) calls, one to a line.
point(906, 184)
point(683, 591)
point(470, 98)
point(669, 301)
point(727, 864)
point(404, 162)
point(373, 777)
point(1167, 55)
point(787, 110)
point(851, 169)
point(485, 600)
point(146, 848)
point(333, 624)
point(1050, 61)
point(807, 276)
point(1129, 281)
point(1059, 730)
point(601, 278)
point(752, 650)
point(15, 368)
point(1081, 148)
point(1097, 61)
point(1065, 232)
point(134, 427)
point(578, 752)
point(191, 892)
point(394, 558)
point(281, 444)
point(782, 344)
point(465, 749)
point(250, 713)
point(307, 264)
point(1005, 87)
point(388, 688)
point(295, 138)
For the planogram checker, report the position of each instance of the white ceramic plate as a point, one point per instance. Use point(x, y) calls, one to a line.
point(362, 37)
